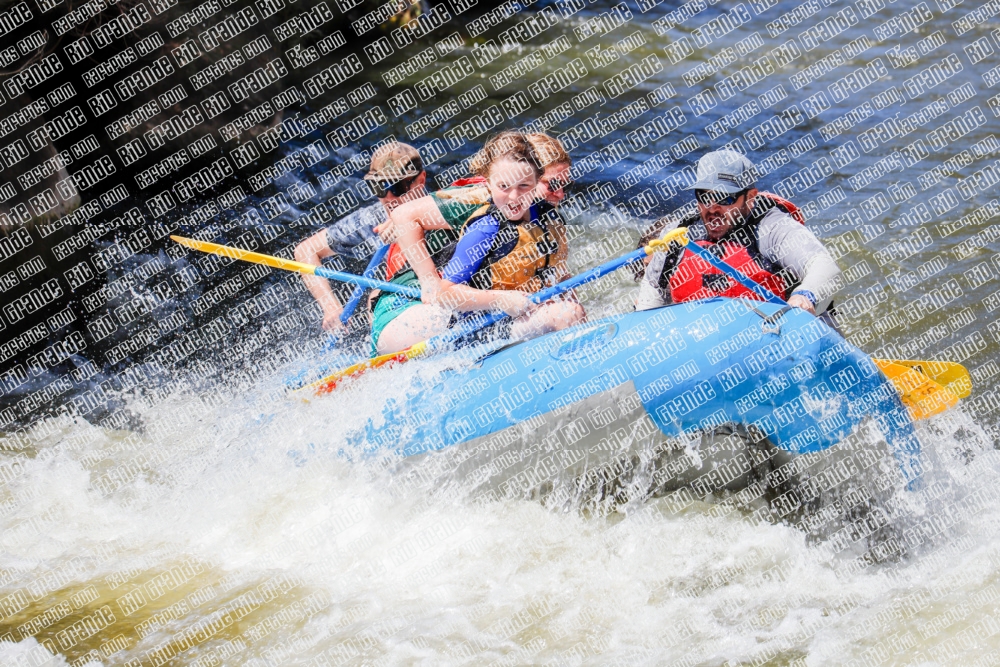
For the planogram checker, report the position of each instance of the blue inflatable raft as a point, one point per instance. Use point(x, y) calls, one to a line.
point(710, 396)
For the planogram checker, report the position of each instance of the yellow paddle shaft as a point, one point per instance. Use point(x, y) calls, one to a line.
point(246, 255)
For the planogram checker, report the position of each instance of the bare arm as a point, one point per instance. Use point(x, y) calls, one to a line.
point(422, 212)
point(410, 238)
point(435, 290)
point(312, 251)
point(461, 297)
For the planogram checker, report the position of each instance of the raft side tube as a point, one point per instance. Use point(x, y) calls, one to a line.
point(694, 367)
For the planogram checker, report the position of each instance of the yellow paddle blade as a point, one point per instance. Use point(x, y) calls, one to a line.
point(678, 235)
point(246, 255)
point(922, 396)
point(953, 376)
point(330, 382)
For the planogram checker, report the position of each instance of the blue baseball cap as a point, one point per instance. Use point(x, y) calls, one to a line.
point(725, 171)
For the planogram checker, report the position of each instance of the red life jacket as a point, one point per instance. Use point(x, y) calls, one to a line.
point(694, 278)
point(471, 180)
point(395, 260)
point(787, 206)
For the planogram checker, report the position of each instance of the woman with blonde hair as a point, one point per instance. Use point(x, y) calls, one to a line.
point(557, 165)
point(510, 245)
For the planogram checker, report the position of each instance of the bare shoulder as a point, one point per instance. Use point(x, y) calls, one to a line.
point(314, 246)
point(471, 194)
point(423, 211)
point(412, 210)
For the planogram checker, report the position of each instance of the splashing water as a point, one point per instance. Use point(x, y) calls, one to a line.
point(239, 531)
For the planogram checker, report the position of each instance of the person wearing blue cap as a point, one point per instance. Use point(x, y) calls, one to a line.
point(758, 233)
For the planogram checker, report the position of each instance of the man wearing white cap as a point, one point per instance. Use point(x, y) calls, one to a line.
point(759, 233)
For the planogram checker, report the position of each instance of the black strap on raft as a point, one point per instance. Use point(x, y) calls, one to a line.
point(770, 324)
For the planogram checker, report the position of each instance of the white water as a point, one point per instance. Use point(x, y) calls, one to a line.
point(349, 565)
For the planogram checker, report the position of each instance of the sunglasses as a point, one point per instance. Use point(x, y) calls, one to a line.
point(556, 184)
point(708, 197)
point(382, 189)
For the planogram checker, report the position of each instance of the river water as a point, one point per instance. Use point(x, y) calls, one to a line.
point(230, 529)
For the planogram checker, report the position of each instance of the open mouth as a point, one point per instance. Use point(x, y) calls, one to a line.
point(514, 209)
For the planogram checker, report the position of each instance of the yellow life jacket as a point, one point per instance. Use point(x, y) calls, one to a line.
point(526, 256)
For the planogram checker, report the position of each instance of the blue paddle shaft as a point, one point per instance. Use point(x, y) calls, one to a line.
point(367, 282)
point(481, 322)
point(587, 276)
point(370, 270)
point(538, 297)
point(566, 285)
point(594, 274)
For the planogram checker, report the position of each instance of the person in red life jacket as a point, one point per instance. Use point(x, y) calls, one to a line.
point(396, 175)
point(506, 249)
point(758, 233)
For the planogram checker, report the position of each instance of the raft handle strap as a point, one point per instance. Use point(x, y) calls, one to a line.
point(770, 324)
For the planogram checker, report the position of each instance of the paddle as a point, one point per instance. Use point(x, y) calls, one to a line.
point(298, 267)
point(957, 378)
point(679, 236)
point(332, 342)
point(370, 270)
point(473, 324)
point(922, 395)
point(953, 376)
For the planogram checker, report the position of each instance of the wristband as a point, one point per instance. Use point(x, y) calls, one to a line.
point(809, 295)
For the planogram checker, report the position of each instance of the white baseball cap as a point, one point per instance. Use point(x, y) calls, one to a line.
point(725, 171)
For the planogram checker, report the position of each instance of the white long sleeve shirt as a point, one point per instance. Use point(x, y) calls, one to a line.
point(781, 240)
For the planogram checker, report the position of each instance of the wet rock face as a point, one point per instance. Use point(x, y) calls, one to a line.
point(141, 81)
point(44, 189)
point(117, 119)
point(139, 92)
